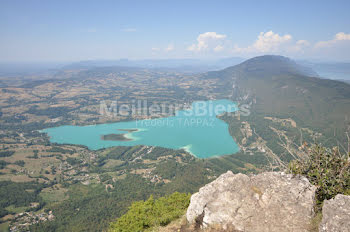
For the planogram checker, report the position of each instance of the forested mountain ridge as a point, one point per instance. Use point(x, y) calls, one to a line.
point(287, 106)
point(262, 66)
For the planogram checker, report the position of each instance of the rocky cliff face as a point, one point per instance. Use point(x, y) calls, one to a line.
point(266, 202)
point(336, 215)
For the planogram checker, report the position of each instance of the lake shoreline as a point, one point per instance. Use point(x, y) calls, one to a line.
point(197, 131)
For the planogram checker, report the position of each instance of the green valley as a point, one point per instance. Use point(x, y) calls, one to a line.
point(67, 187)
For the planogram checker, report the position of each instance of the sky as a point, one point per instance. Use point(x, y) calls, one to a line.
point(51, 31)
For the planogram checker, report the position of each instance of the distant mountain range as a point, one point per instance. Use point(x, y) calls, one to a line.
point(329, 70)
point(268, 65)
point(181, 65)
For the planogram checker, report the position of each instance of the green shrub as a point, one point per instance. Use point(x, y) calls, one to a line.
point(3, 164)
point(20, 163)
point(6, 153)
point(327, 169)
point(145, 215)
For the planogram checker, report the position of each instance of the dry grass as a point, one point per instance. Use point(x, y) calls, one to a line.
point(315, 222)
point(21, 178)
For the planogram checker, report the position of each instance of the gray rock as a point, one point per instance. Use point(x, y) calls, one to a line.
point(336, 214)
point(266, 202)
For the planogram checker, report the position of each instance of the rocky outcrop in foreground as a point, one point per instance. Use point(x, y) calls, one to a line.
point(266, 202)
point(336, 214)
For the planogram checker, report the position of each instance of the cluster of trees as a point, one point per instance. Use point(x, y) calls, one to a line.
point(73, 161)
point(168, 169)
point(57, 149)
point(146, 215)
point(160, 151)
point(53, 112)
point(19, 194)
point(35, 155)
point(3, 164)
point(20, 163)
point(92, 208)
point(6, 153)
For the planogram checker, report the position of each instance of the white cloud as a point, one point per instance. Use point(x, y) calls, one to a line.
point(155, 49)
point(338, 38)
point(270, 41)
point(342, 36)
point(208, 41)
point(267, 42)
point(170, 48)
point(274, 43)
point(336, 48)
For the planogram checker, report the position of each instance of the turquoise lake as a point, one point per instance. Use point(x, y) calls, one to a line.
point(196, 130)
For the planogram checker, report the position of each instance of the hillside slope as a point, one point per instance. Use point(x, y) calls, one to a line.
point(287, 107)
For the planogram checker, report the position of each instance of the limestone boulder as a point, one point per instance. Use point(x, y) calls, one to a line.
point(267, 202)
point(336, 214)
